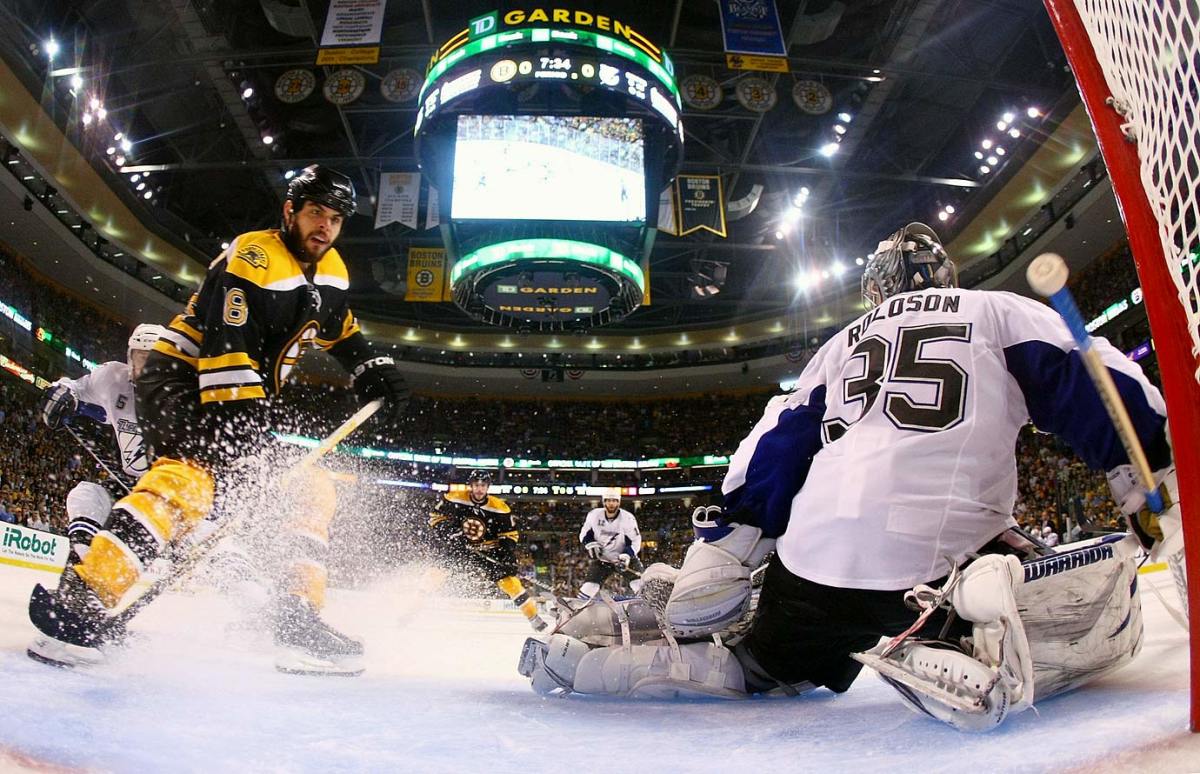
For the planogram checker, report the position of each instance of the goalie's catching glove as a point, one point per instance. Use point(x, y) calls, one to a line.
point(1152, 530)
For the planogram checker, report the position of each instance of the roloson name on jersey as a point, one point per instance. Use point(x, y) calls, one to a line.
point(909, 302)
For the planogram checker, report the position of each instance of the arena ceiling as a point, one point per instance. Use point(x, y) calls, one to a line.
point(921, 80)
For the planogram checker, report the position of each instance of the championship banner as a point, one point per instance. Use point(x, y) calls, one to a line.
point(25, 547)
point(432, 216)
point(751, 28)
point(398, 196)
point(666, 211)
point(352, 31)
point(701, 204)
point(426, 275)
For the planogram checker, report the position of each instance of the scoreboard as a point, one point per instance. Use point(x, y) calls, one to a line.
point(550, 142)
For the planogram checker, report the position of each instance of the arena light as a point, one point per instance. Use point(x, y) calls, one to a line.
point(859, 261)
point(87, 119)
point(1000, 150)
point(979, 155)
point(829, 149)
point(94, 103)
point(51, 48)
point(268, 139)
point(839, 128)
point(76, 82)
point(1001, 126)
point(943, 216)
point(1033, 113)
point(844, 117)
point(983, 170)
point(288, 175)
point(992, 160)
point(950, 208)
point(1009, 116)
point(126, 145)
point(1014, 133)
point(101, 114)
point(986, 144)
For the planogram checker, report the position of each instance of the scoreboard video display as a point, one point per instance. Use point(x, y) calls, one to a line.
point(548, 145)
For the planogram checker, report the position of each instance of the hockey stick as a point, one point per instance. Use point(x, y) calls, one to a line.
point(103, 466)
point(1047, 275)
point(184, 565)
point(532, 581)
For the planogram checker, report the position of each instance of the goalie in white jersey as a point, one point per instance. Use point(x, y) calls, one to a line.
point(890, 466)
point(105, 396)
point(611, 538)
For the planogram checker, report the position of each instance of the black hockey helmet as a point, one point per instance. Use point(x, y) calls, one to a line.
point(479, 475)
point(910, 259)
point(322, 185)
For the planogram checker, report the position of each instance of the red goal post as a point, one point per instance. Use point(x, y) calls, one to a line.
point(1137, 64)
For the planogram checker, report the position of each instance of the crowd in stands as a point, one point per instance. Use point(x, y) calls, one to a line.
point(1057, 496)
point(37, 466)
point(93, 334)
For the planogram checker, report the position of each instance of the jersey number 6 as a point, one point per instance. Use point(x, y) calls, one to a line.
point(909, 366)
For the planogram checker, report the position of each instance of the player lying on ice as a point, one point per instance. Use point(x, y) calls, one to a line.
point(887, 476)
point(204, 402)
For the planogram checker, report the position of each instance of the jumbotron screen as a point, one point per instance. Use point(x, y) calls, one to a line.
point(549, 168)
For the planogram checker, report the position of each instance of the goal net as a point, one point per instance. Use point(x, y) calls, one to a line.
point(1137, 64)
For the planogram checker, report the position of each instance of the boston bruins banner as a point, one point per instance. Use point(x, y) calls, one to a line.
point(426, 275)
point(701, 204)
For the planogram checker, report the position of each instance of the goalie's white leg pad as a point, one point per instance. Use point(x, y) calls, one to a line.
point(712, 588)
point(943, 683)
point(986, 596)
point(1081, 611)
point(599, 623)
point(694, 670)
point(589, 589)
point(551, 667)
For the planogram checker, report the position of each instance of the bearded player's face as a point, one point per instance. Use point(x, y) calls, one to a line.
point(312, 230)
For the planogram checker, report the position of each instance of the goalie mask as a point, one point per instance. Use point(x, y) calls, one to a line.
point(910, 259)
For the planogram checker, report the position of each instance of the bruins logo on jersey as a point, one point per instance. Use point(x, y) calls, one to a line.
point(473, 529)
point(253, 255)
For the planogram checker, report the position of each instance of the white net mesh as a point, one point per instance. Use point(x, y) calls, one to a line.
point(1149, 51)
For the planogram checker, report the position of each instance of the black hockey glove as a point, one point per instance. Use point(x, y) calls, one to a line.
point(380, 378)
point(58, 404)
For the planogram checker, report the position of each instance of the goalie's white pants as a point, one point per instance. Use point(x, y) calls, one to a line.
point(1040, 628)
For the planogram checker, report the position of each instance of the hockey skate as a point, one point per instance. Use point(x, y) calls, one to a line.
point(72, 624)
point(309, 646)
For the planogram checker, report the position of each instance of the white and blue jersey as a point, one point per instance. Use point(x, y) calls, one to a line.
point(106, 396)
point(616, 536)
point(894, 454)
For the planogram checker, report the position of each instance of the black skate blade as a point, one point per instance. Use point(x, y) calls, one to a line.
point(315, 673)
point(49, 661)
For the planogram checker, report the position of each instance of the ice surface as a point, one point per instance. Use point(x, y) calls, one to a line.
point(197, 692)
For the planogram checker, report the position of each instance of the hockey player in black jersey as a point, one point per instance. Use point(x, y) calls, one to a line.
point(477, 532)
point(203, 401)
